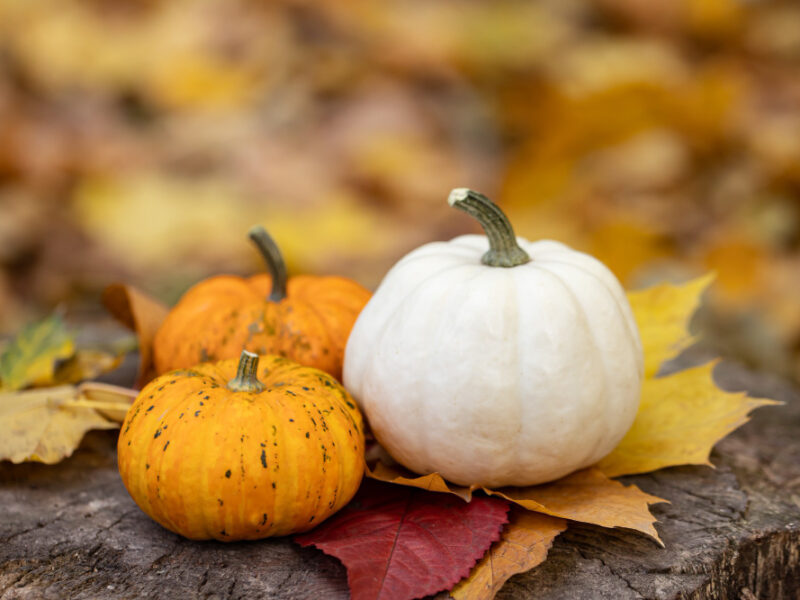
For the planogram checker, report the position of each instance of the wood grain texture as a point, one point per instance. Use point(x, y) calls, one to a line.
point(71, 531)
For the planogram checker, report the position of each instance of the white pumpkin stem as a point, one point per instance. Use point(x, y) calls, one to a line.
point(504, 251)
point(274, 259)
point(246, 379)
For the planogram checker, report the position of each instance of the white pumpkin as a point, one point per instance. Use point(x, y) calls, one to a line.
point(512, 366)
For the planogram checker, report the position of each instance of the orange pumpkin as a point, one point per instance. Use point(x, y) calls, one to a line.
point(305, 318)
point(214, 452)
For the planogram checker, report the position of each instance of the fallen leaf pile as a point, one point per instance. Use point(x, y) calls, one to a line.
point(141, 139)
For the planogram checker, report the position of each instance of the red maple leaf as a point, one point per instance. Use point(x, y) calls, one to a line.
point(399, 543)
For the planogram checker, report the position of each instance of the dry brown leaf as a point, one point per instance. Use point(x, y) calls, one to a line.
point(111, 401)
point(401, 476)
point(139, 313)
point(45, 425)
point(588, 496)
point(524, 544)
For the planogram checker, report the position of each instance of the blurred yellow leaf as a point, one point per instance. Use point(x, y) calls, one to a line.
point(30, 359)
point(45, 425)
point(85, 365)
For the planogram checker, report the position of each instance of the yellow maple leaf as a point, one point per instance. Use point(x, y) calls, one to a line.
point(680, 419)
point(31, 357)
point(683, 415)
point(662, 314)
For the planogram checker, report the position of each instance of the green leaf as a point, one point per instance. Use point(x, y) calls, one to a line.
point(32, 356)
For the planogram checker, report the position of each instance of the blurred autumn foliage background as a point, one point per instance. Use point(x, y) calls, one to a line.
point(139, 140)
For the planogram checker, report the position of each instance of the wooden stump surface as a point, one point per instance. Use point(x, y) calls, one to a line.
point(71, 531)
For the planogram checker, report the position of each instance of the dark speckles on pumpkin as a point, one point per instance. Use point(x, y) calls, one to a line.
point(165, 445)
point(264, 519)
point(306, 389)
point(197, 413)
point(264, 458)
point(146, 466)
point(308, 435)
point(263, 445)
point(291, 420)
point(312, 518)
point(290, 393)
point(223, 532)
point(274, 485)
point(157, 433)
point(206, 397)
point(152, 406)
point(219, 500)
point(161, 388)
point(173, 382)
point(201, 403)
point(350, 404)
point(180, 416)
point(228, 473)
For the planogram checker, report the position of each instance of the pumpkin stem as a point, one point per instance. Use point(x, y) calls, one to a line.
point(246, 379)
point(503, 248)
point(275, 264)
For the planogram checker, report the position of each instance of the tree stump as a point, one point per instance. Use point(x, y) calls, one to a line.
point(71, 531)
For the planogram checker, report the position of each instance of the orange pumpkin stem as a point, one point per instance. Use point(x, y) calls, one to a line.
point(246, 379)
point(274, 259)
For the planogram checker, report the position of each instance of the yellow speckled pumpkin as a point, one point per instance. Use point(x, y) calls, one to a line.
point(305, 318)
point(231, 451)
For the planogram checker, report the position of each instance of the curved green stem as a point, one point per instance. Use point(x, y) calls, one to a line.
point(275, 264)
point(503, 248)
point(246, 379)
